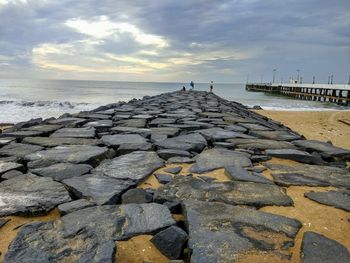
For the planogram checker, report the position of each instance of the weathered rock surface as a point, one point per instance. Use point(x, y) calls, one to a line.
point(261, 144)
point(72, 154)
point(339, 199)
point(170, 241)
point(169, 153)
point(52, 142)
point(312, 175)
point(291, 154)
point(216, 158)
point(119, 139)
point(30, 195)
point(131, 147)
point(4, 141)
point(241, 193)
point(45, 128)
point(190, 142)
point(173, 170)
point(61, 171)
point(326, 149)
point(163, 178)
point(219, 134)
point(86, 132)
point(275, 135)
point(19, 149)
point(9, 166)
point(68, 122)
point(22, 134)
point(136, 196)
point(3, 222)
point(220, 233)
point(316, 248)
point(238, 173)
point(134, 166)
point(74, 206)
point(98, 189)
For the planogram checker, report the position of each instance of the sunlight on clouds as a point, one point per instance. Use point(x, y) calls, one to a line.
point(104, 28)
point(138, 61)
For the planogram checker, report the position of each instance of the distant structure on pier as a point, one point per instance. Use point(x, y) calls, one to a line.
point(334, 93)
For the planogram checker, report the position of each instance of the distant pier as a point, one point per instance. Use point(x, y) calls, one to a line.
point(335, 93)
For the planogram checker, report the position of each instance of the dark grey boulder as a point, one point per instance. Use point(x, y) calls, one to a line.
point(22, 134)
point(316, 248)
point(168, 131)
point(31, 195)
point(87, 132)
point(237, 193)
point(173, 170)
point(52, 142)
point(73, 206)
point(326, 149)
point(291, 154)
point(49, 242)
point(98, 189)
point(170, 241)
point(11, 174)
point(119, 139)
point(276, 135)
point(219, 134)
point(61, 171)
point(190, 142)
point(9, 166)
point(131, 147)
point(216, 158)
point(136, 196)
point(219, 232)
point(169, 153)
point(260, 144)
point(19, 149)
point(163, 178)
point(135, 166)
point(238, 173)
point(313, 175)
point(338, 199)
point(68, 122)
point(73, 154)
point(5, 140)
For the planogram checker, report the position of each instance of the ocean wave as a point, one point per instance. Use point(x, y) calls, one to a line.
point(39, 103)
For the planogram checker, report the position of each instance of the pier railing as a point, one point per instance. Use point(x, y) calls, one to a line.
point(339, 94)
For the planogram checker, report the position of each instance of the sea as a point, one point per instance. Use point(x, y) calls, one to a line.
point(24, 99)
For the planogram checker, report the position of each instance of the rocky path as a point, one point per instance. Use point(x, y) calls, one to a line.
point(179, 176)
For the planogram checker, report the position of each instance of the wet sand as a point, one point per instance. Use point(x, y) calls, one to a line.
point(331, 126)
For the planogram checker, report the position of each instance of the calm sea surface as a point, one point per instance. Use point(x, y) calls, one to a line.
point(24, 99)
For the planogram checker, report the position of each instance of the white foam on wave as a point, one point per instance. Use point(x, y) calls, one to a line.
point(12, 111)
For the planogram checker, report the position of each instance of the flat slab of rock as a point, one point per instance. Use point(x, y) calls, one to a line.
point(132, 130)
point(72, 154)
point(22, 134)
point(316, 248)
point(276, 135)
point(236, 193)
point(221, 233)
point(291, 154)
point(30, 195)
point(119, 139)
point(157, 121)
point(137, 123)
point(74, 206)
point(169, 153)
point(86, 132)
point(338, 199)
point(69, 121)
point(19, 149)
point(9, 166)
point(98, 189)
point(310, 175)
point(168, 131)
point(216, 158)
point(238, 173)
point(52, 142)
point(326, 149)
point(61, 171)
point(261, 144)
point(219, 134)
point(135, 166)
point(191, 142)
point(4, 141)
point(131, 147)
point(100, 125)
point(45, 128)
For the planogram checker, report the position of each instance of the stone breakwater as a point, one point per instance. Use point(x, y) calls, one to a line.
point(130, 169)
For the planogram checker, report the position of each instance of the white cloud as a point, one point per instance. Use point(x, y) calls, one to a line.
point(104, 28)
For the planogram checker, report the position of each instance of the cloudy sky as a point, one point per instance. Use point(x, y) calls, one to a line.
point(167, 40)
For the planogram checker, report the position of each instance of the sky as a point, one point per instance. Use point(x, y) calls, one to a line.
point(225, 41)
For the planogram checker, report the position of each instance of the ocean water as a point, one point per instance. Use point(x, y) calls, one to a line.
point(22, 100)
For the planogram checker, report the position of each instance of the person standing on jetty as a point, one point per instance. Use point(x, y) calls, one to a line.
point(211, 86)
point(192, 84)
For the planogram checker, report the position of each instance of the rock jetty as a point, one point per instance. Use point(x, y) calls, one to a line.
point(187, 168)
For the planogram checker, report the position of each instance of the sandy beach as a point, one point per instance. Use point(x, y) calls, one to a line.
point(331, 126)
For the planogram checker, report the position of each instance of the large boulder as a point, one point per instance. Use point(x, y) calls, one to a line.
point(135, 166)
point(30, 195)
point(217, 157)
point(236, 193)
point(221, 233)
